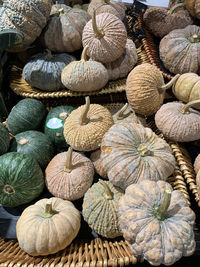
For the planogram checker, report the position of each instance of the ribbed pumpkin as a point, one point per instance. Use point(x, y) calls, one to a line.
point(27, 114)
point(34, 144)
point(145, 89)
point(63, 32)
point(197, 164)
point(44, 70)
point(193, 6)
point(179, 122)
point(179, 50)
point(95, 157)
point(48, 226)
point(86, 126)
point(84, 75)
point(100, 205)
point(4, 139)
point(157, 222)
point(69, 175)
point(106, 36)
point(186, 88)
point(54, 125)
point(27, 16)
point(131, 153)
point(21, 179)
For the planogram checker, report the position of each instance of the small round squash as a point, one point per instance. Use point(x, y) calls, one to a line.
point(48, 226)
point(4, 139)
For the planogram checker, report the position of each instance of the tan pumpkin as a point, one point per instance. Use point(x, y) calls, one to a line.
point(193, 6)
point(131, 153)
point(83, 75)
point(48, 226)
point(178, 121)
point(197, 164)
point(69, 175)
point(85, 126)
point(186, 88)
point(145, 89)
point(96, 160)
point(180, 48)
point(157, 222)
point(106, 36)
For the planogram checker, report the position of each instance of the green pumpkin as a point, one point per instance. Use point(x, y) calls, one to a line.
point(4, 139)
point(21, 179)
point(35, 144)
point(54, 125)
point(26, 115)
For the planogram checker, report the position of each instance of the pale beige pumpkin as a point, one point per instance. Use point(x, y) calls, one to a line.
point(106, 36)
point(197, 164)
point(48, 226)
point(96, 160)
point(69, 175)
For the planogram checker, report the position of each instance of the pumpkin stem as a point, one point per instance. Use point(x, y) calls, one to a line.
point(143, 150)
point(61, 11)
point(169, 84)
point(68, 166)
point(185, 108)
point(83, 119)
point(48, 212)
point(84, 53)
point(23, 141)
point(98, 32)
point(63, 115)
point(194, 38)
point(8, 189)
point(172, 9)
point(49, 55)
point(108, 194)
point(121, 115)
point(160, 212)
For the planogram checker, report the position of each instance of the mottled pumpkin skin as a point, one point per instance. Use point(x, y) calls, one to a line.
point(193, 6)
point(178, 52)
point(131, 153)
point(111, 45)
point(177, 126)
point(197, 164)
point(101, 213)
point(47, 235)
point(96, 160)
point(4, 139)
point(157, 241)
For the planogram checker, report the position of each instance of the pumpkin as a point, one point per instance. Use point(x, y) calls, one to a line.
point(124, 64)
point(21, 179)
point(95, 157)
point(84, 75)
point(179, 122)
point(131, 153)
point(54, 125)
point(35, 144)
point(106, 36)
point(28, 17)
point(157, 222)
point(100, 204)
point(85, 126)
point(197, 164)
point(160, 21)
point(107, 6)
point(179, 50)
point(51, 224)
point(193, 6)
point(4, 139)
point(63, 32)
point(145, 89)
point(27, 114)
point(69, 175)
point(44, 70)
point(186, 88)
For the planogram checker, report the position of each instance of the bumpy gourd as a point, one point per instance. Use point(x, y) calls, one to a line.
point(100, 204)
point(193, 6)
point(131, 153)
point(4, 139)
point(157, 222)
point(53, 224)
point(69, 175)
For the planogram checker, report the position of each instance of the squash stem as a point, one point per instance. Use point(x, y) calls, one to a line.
point(108, 194)
point(121, 115)
point(8, 189)
point(98, 33)
point(195, 38)
point(63, 115)
point(173, 9)
point(83, 119)
point(68, 166)
point(185, 108)
point(169, 84)
point(160, 212)
point(23, 141)
point(48, 212)
point(143, 150)
point(84, 53)
point(49, 55)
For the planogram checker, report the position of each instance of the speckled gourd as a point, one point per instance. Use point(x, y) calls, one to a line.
point(179, 122)
point(131, 153)
point(193, 6)
point(145, 89)
point(53, 224)
point(95, 157)
point(86, 126)
point(83, 75)
point(69, 175)
point(100, 205)
point(106, 36)
point(179, 50)
point(157, 222)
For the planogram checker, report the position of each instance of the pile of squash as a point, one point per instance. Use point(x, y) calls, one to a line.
point(62, 149)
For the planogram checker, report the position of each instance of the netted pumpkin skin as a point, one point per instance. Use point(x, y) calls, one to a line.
point(162, 241)
point(96, 160)
point(131, 153)
point(197, 164)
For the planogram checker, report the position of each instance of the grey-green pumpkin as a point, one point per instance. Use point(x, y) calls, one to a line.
point(4, 139)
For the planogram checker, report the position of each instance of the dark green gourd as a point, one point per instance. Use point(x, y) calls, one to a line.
point(54, 125)
point(4, 139)
point(27, 114)
point(35, 144)
point(21, 179)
